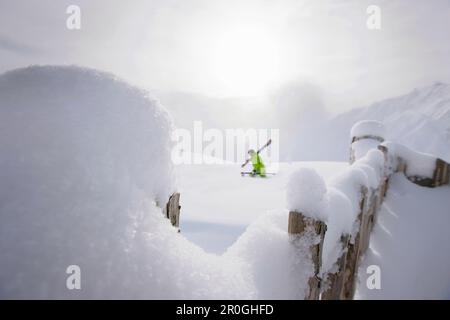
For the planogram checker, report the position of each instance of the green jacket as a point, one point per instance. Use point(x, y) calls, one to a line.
point(258, 164)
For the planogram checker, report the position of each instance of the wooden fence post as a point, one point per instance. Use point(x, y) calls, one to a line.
point(446, 174)
point(441, 173)
point(384, 189)
point(336, 280)
point(173, 209)
point(298, 226)
point(353, 253)
point(369, 216)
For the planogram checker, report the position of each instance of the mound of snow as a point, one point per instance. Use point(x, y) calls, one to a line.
point(82, 154)
point(84, 159)
point(279, 269)
point(305, 193)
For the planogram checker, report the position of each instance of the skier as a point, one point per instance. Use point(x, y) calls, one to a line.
point(258, 164)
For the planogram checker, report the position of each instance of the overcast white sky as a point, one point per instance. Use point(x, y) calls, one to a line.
point(239, 48)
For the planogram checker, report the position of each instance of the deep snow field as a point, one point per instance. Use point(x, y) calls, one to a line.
point(217, 203)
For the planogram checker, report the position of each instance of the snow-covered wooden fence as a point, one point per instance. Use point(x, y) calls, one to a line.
point(439, 177)
point(421, 169)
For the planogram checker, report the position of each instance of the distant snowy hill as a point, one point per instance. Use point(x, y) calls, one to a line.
point(419, 119)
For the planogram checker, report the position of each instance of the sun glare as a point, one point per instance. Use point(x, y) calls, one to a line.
point(246, 60)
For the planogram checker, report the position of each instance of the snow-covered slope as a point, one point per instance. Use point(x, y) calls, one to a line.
point(419, 120)
point(410, 243)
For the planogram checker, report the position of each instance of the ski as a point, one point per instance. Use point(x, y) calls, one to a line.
point(264, 146)
point(251, 173)
point(259, 150)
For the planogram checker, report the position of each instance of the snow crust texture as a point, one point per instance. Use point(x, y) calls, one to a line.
point(83, 156)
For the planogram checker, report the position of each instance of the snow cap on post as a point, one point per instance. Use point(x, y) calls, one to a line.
point(306, 193)
point(368, 129)
point(366, 135)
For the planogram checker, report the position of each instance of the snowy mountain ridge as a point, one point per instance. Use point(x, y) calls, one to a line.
point(433, 102)
point(419, 120)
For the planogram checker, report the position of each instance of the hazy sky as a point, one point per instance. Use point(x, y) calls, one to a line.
point(239, 48)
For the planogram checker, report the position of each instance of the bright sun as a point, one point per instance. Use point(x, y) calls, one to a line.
point(246, 60)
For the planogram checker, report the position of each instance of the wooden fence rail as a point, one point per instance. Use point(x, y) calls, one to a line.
point(441, 174)
point(342, 283)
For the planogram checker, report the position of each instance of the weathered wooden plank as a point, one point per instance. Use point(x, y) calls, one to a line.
point(299, 225)
point(446, 174)
point(173, 209)
point(422, 181)
point(384, 188)
point(441, 174)
point(335, 281)
point(402, 166)
point(368, 214)
point(353, 253)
